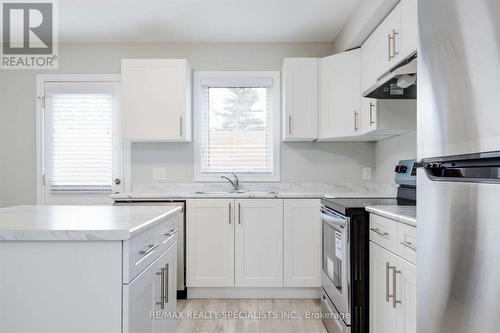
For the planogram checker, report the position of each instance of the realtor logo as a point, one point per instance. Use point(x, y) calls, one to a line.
point(28, 35)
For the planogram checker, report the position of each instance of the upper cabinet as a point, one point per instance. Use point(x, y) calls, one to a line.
point(300, 99)
point(393, 41)
point(339, 82)
point(156, 100)
point(383, 118)
point(409, 28)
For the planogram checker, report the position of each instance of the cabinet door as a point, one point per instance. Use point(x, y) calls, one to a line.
point(374, 54)
point(148, 293)
point(406, 288)
point(156, 99)
point(167, 267)
point(392, 28)
point(210, 242)
point(259, 243)
point(300, 99)
point(382, 313)
point(369, 114)
point(302, 243)
point(409, 28)
point(382, 50)
point(339, 95)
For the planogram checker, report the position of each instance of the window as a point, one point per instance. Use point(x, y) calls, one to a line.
point(237, 125)
point(82, 144)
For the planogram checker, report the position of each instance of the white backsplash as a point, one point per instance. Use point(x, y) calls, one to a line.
point(291, 189)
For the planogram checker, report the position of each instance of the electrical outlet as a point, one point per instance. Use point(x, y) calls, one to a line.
point(367, 173)
point(159, 174)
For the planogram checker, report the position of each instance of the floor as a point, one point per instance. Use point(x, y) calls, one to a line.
point(249, 316)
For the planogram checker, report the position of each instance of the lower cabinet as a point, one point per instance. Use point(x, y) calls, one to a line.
point(210, 243)
point(392, 292)
point(155, 289)
point(406, 285)
point(302, 236)
point(259, 243)
point(253, 243)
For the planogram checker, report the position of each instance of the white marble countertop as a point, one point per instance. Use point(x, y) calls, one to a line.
point(61, 223)
point(403, 214)
point(258, 190)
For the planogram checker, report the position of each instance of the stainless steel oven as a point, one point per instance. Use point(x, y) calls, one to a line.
point(335, 276)
point(345, 270)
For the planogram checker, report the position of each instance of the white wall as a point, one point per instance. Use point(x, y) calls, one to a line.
point(300, 162)
point(340, 162)
point(389, 151)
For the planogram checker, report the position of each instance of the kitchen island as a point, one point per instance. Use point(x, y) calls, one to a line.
point(87, 268)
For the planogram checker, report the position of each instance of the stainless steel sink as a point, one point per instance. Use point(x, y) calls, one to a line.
point(235, 192)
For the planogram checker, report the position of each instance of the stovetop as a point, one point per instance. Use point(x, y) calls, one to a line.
point(344, 205)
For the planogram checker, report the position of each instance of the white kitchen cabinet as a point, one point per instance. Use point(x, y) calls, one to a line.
point(382, 313)
point(409, 28)
point(385, 118)
point(406, 284)
point(339, 95)
point(79, 281)
point(394, 40)
point(210, 242)
point(156, 100)
point(377, 52)
point(392, 278)
point(369, 114)
point(300, 99)
point(152, 290)
point(302, 239)
point(259, 243)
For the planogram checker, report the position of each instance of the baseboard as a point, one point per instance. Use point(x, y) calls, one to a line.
point(253, 292)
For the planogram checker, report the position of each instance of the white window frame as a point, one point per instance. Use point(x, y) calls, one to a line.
point(41, 80)
point(275, 91)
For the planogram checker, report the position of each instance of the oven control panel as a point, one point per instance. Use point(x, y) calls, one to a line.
point(406, 173)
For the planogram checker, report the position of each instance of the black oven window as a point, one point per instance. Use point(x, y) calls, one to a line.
point(332, 255)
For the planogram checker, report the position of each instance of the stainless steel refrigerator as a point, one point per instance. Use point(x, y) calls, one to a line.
point(458, 191)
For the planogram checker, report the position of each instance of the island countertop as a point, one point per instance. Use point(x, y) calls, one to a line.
point(83, 223)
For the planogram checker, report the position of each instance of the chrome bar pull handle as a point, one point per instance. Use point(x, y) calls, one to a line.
point(380, 233)
point(387, 295)
point(239, 213)
point(170, 232)
point(166, 294)
point(389, 46)
point(152, 247)
point(162, 288)
point(394, 33)
point(229, 214)
point(290, 129)
point(394, 286)
point(371, 113)
point(181, 126)
point(355, 121)
point(409, 245)
point(387, 292)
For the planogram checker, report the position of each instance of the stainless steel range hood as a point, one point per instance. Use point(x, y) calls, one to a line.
point(387, 86)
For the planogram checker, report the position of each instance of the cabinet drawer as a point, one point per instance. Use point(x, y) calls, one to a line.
point(383, 232)
point(143, 249)
point(406, 244)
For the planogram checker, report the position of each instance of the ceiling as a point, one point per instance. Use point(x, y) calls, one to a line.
point(202, 20)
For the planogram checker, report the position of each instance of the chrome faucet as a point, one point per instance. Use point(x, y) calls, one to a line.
point(235, 182)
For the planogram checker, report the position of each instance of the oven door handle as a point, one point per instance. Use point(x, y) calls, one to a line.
point(333, 221)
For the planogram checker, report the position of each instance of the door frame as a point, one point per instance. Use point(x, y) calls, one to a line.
point(41, 80)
